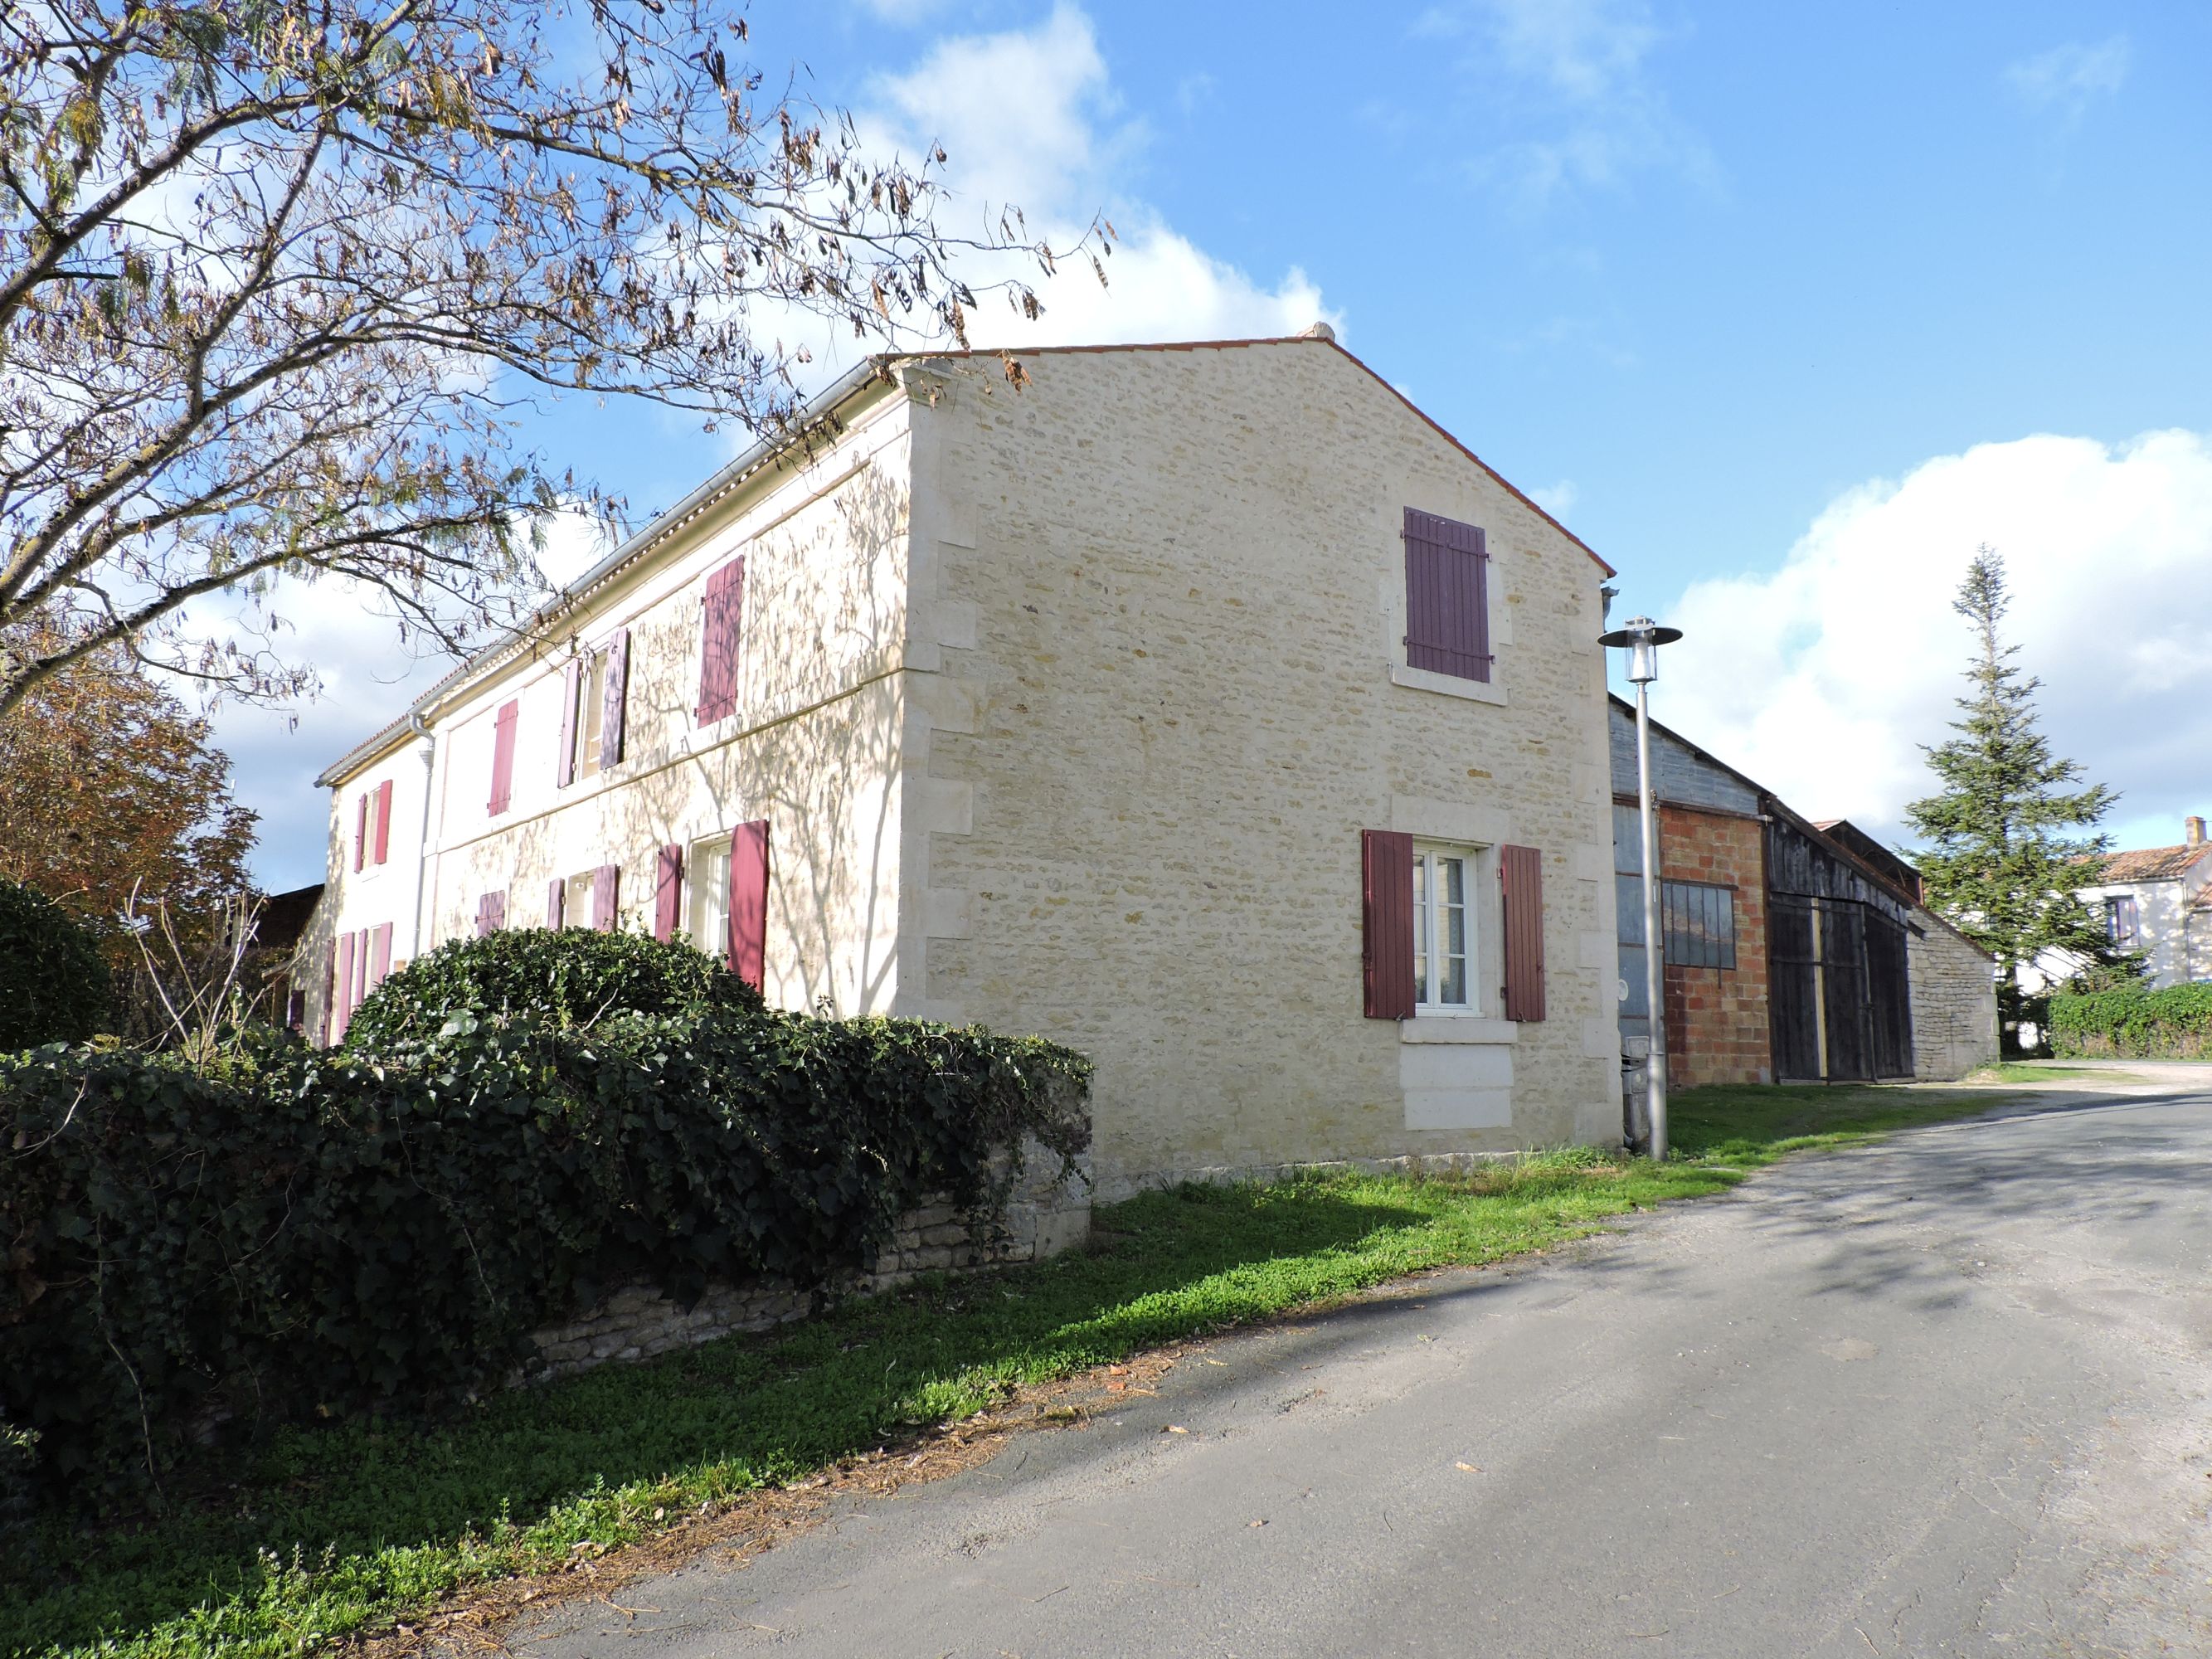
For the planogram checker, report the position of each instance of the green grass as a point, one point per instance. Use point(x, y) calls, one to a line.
point(339, 1530)
point(2032, 1071)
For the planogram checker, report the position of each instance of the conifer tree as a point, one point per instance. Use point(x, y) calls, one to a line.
point(2005, 832)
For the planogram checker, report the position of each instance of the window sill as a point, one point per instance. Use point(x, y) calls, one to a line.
point(1450, 685)
point(1457, 1028)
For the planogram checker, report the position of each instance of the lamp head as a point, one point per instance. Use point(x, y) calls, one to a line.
point(1641, 638)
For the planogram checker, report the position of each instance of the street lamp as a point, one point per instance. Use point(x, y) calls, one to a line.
point(1642, 639)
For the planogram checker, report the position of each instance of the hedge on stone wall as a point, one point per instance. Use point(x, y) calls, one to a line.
point(2133, 1022)
point(302, 1233)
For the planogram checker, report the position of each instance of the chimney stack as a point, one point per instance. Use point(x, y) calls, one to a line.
point(2194, 829)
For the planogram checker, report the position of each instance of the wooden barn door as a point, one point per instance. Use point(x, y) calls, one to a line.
point(1889, 996)
point(1794, 988)
point(1842, 938)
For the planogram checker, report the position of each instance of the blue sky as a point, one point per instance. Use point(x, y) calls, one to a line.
point(1782, 309)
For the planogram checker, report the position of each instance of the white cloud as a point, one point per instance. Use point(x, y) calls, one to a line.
point(1030, 117)
point(1557, 499)
point(1575, 73)
point(2066, 79)
point(1822, 679)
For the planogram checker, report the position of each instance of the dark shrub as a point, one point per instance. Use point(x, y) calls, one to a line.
point(307, 1233)
point(555, 977)
point(53, 985)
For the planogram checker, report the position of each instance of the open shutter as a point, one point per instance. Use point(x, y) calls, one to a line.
point(668, 892)
point(495, 910)
point(360, 980)
point(1521, 875)
point(749, 902)
point(1446, 596)
point(360, 833)
point(564, 763)
point(721, 611)
point(502, 759)
point(383, 821)
point(606, 897)
point(614, 699)
point(1386, 882)
point(342, 988)
point(556, 901)
point(380, 954)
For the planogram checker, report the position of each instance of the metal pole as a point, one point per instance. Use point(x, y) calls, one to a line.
point(1655, 967)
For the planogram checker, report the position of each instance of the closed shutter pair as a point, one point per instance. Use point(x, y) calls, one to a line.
point(372, 829)
point(745, 950)
point(613, 706)
point(1446, 596)
point(1387, 907)
point(721, 611)
point(362, 960)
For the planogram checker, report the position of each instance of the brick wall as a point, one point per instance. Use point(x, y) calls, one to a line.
point(1716, 1017)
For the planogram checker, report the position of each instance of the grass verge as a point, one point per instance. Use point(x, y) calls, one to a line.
point(325, 1534)
point(2039, 1070)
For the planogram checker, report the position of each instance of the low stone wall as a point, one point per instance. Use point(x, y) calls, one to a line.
point(1044, 1216)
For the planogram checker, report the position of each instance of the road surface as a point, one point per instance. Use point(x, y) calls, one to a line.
point(1945, 1396)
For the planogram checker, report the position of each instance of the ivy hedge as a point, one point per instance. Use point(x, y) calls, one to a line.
point(292, 1234)
point(2135, 1024)
point(54, 986)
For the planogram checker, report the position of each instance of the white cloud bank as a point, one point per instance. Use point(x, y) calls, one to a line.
point(1822, 678)
point(2066, 79)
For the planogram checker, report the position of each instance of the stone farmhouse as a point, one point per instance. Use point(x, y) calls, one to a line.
point(1207, 707)
point(2158, 900)
point(1795, 951)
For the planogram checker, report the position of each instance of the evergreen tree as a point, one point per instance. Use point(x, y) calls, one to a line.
point(2000, 862)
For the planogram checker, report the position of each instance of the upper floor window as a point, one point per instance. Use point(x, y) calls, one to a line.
point(595, 709)
point(2123, 922)
point(591, 714)
point(1447, 596)
point(1443, 930)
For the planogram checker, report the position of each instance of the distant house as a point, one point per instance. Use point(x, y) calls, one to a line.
point(2158, 900)
point(1795, 952)
point(1207, 708)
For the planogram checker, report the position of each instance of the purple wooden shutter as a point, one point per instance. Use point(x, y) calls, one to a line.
point(502, 758)
point(1386, 872)
point(614, 699)
point(564, 764)
point(718, 650)
point(495, 904)
point(380, 960)
point(748, 956)
point(361, 833)
point(383, 821)
point(342, 988)
point(1521, 876)
point(668, 892)
point(606, 897)
point(557, 903)
point(1446, 596)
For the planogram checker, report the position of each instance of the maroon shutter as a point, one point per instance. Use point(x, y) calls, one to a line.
point(1386, 874)
point(342, 988)
point(556, 901)
point(495, 910)
point(502, 759)
point(564, 764)
point(606, 900)
point(1521, 876)
point(380, 960)
point(614, 699)
point(383, 821)
point(360, 833)
point(1446, 596)
point(668, 893)
point(717, 641)
point(748, 902)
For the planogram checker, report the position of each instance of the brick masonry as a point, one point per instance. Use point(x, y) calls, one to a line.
point(1717, 1029)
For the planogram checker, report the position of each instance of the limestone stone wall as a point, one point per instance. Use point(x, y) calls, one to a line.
point(1044, 1216)
point(1954, 1001)
point(1164, 595)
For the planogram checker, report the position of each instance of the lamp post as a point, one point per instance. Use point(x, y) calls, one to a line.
point(1642, 639)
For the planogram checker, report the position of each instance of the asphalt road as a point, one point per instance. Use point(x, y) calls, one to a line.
point(1946, 1395)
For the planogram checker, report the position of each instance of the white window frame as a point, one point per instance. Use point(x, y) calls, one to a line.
point(1428, 859)
point(590, 715)
point(707, 883)
point(576, 900)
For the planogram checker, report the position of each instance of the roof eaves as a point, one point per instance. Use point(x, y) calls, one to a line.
point(718, 484)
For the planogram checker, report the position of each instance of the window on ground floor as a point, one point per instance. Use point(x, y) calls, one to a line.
point(708, 878)
point(1697, 922)
point(1444, 929)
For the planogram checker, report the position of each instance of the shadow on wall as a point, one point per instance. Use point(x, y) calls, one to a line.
point(814, 748)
